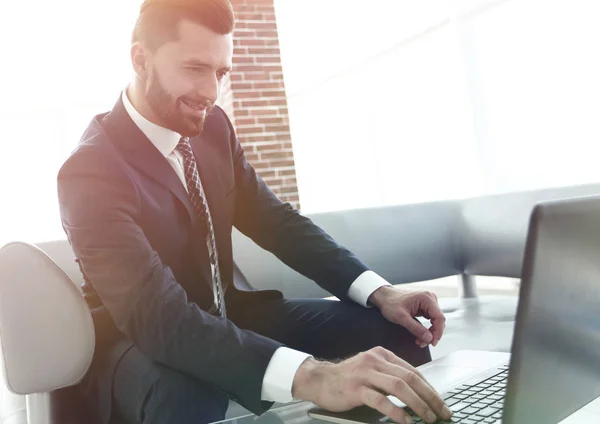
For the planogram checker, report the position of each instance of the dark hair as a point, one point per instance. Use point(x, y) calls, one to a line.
point(158, 19)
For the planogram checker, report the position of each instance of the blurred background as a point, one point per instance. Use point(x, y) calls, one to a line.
point(340, 104)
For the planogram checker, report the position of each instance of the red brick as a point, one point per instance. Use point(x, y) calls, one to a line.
point(272, 120)
point(271, 182)
point(270, 33)
point(240, 51)
point(266, 145)
point(282, 164)
point(242, 6)
point(250, 16)
point(254, 3)
point(247, 94)
point(286, 172)
point(264, 51)
point(250, 130)
point(278, 94)
point(276, 155)
point(254, 103)
point(252, 157)
point(258, 25)
point(277, 128)
point(271, 68)
point(245, 33)
point(257, 76)
point(266, 59)
point(277, 102)
point(269, 85)
point(242, 86)
point(250, 68)
point(245, 121)
point(268, 174)
point(259, 137)
point(245, 60)
point(263, 112)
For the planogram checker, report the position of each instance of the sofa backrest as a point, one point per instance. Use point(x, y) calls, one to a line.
point(493, 229)
point(408, 243)
point(401, 243)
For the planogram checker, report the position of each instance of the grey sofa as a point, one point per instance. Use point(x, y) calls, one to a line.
point(465, 238)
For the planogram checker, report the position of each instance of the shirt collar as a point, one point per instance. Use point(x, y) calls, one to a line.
point(163, 139)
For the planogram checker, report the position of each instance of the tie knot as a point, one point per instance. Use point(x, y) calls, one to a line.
point(184, 146)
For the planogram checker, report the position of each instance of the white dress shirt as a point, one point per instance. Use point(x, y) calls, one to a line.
point(279, 376)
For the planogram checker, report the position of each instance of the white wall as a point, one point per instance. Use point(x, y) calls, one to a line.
point(399, 101)
point(66, 61)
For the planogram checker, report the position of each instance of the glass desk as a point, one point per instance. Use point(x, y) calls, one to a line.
point(296, 413)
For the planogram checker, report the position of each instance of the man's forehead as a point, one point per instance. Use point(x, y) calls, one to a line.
point(196, 36)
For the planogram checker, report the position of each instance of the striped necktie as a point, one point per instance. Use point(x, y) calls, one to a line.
point(198, 199)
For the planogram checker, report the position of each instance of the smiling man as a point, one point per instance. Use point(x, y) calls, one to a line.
point(149, 199)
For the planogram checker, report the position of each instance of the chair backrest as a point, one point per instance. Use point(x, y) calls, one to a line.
point(46, 329)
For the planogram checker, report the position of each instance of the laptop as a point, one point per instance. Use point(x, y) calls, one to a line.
point(553, 369)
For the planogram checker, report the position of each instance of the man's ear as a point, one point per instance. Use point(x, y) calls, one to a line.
point(139, 60)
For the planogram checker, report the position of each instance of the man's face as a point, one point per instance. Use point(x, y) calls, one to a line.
point(184, 77)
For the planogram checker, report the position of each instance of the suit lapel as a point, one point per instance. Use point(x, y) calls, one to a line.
point(143, 155)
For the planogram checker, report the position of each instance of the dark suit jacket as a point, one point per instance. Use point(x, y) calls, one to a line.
point(143, 254)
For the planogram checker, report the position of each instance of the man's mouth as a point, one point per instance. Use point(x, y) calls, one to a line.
point(200, 107)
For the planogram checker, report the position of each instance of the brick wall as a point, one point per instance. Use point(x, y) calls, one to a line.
point(255, 99)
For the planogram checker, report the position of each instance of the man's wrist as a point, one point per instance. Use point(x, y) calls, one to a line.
point(378, 296)
point(305, 379)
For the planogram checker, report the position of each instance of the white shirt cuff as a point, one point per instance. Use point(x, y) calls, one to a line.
point(279, 377)
point(364, 286)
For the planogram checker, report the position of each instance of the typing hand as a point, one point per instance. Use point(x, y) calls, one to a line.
point(367, 379)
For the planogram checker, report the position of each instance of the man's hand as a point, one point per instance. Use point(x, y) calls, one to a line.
point(401, 307)
point(366, 379)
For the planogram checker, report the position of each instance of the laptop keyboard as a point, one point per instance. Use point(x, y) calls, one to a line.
point(476, 401)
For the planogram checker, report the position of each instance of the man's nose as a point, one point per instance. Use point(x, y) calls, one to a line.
point(210, 89)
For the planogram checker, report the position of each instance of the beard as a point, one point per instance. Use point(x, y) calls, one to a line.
point(171, 111)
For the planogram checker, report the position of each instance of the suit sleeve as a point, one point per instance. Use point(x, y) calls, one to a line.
point(99, 206)
point(279, 228)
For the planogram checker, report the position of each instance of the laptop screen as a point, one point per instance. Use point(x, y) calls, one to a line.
point(555, 366)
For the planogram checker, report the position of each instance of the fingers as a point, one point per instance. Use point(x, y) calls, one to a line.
point(437, 318)
point(390, 357)
point(398, 368)
point(430, 309)
point(381, 403)
point(438, 325)
point(417, 329)
point(404, 391)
